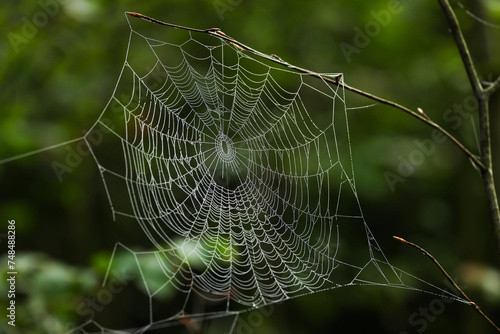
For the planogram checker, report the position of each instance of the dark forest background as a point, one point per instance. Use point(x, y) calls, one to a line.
point(59, 62)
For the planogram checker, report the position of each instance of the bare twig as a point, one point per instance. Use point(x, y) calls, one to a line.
point(448, 277)
point(482, 95)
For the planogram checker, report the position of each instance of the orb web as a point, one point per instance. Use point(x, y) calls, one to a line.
point(239, 173)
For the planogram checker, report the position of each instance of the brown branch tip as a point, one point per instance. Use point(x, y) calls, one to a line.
point(400, 239)
point(134, 14)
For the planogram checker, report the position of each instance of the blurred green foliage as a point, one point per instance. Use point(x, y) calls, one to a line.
point(57, 79)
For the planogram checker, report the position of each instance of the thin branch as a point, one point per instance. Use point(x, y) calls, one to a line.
point(334, 80)
point(448, 277)
point(487, 175)
point(216, 32)
point(462, 48)
point(150, 19)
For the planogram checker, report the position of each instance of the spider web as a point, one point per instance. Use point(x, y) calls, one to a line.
point(239, 173)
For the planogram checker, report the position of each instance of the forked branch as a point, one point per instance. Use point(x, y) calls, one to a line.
point(493, 87)
point(482, 95)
